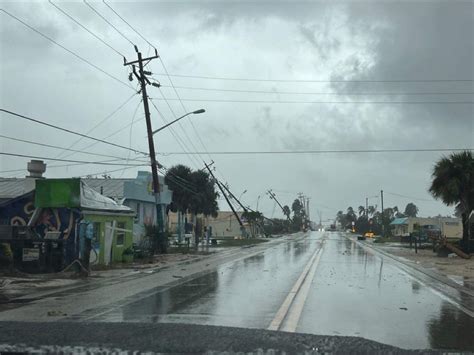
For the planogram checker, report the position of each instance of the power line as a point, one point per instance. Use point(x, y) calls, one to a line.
point(321, 93)
point(69, 131)
point(409, 197)
point(133, 29)
point(184, 109)
point(196, 161)
point(63, 166)
point(326, 151)
point(99, 123)
point(65, 160)
point(66, 49)
point(177, 137)
point(318, 81)
point(130, 134)
point(58, 147)
point(107, 171)
point(108, 22)
point(330, 102)
point(85, 28)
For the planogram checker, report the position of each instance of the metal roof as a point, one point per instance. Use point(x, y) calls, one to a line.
point(13, 187)
point(398, 221)
point(111, 187)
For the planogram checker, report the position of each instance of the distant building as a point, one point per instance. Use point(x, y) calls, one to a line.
point(225, 225)
point(448, 226)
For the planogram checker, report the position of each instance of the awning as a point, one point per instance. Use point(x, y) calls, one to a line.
point(399, 221)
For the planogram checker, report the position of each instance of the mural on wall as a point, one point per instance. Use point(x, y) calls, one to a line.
point(20, 210)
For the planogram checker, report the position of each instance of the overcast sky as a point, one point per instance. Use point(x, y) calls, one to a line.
point(346, 48)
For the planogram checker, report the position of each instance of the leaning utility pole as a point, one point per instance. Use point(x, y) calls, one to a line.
point(141, 77)
point(235, 198)
point(273, 197)
point(242, 228)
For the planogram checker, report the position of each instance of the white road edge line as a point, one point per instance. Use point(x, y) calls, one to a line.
point(284, 308)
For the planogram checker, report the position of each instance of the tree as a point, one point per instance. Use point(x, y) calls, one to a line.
point(351, 216)
point(361, 210)
point(178, 180)
point(371, 210)
point(287, 211)
point(297, 208)
point(204, 201)
point(411, 210)
point(453, 183)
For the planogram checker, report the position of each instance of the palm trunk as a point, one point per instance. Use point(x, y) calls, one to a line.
point(465, 233)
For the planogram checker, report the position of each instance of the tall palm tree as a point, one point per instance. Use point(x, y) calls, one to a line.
point(351, 216)
point(453, 183)
point(371, 210)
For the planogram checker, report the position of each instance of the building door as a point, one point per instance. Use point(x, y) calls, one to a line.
point(108, 240)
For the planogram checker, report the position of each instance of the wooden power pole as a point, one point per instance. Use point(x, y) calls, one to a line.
point(143, 80)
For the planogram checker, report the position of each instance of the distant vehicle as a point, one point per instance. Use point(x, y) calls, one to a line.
point(369, 234)
point(360, 237)
point(332, 227)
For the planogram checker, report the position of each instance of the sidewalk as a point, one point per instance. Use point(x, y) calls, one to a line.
point(455, 268)
point(17, 285)
point(20, 287)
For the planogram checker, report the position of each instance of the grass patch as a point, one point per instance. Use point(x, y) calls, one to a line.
point(240, 242)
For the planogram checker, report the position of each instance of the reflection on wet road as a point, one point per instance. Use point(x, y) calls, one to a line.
point(354, 292)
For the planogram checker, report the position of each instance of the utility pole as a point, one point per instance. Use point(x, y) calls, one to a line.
point(383, 224)
point(242, 228)
point(273, 197)
point(141, 77)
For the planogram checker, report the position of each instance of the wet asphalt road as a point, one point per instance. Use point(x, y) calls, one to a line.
point(348, 290)
point(323, 283)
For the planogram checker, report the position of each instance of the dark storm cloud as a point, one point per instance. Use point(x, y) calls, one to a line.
point(304, 40)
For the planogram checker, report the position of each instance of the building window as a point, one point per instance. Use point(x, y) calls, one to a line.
point(137, 210)
point(120, 233)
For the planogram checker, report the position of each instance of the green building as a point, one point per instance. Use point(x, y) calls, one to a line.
point(60, 205)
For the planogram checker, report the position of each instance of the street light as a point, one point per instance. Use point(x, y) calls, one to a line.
point(197, 112)
point(242, 194)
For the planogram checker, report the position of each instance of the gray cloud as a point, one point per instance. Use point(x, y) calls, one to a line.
point(306, 40)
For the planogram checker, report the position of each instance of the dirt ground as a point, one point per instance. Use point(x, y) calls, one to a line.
point(458, 269)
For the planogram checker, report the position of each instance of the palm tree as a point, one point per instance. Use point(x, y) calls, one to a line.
point(351, 216)
point(453, 183)
point(371, 210)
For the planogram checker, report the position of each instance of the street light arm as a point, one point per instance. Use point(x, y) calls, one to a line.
point(170, 123)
